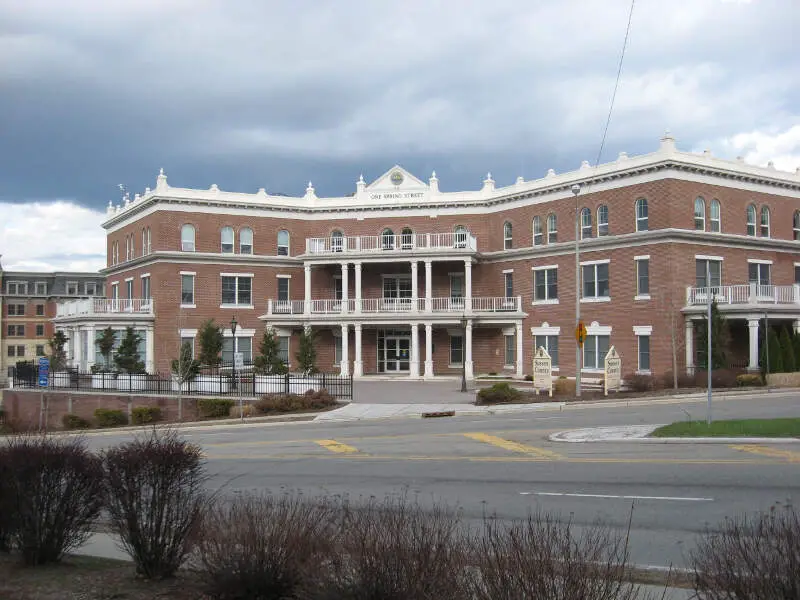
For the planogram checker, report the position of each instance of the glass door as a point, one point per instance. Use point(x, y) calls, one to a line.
point(397, 353)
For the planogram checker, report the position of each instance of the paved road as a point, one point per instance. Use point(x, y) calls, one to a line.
point(506, 466)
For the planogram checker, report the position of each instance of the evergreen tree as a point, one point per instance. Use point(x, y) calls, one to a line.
point(127, 357)
point(58, 354)
point(796, 347)
point(306, 353)
point(210, 344)
point(105, 344)
point(787, 352)
point(269, 361)
point(773, 346)
point(720, 340)
point(185, 367)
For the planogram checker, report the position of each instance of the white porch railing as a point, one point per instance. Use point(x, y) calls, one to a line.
point(748, 293)
point(395, 305)
point(370, 244)
point(105, 306)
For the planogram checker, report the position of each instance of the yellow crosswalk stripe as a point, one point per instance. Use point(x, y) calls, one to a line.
point(768, 451)
point(337, 447)
point(514, 446)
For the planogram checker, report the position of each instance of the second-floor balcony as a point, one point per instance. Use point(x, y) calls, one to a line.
point(105, 307)
point(459, 242)
point(373, 306)
point(744, 294)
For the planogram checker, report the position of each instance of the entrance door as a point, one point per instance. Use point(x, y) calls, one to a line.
point(394, 354)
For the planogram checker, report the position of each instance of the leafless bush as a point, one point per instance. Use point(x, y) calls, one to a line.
point(541, 558)
point(52, 494)
point(395, 550)
point(263, 546)
point(155, 499)
point(752, 558)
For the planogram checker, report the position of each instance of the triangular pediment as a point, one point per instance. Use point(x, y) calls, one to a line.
point(397, 179)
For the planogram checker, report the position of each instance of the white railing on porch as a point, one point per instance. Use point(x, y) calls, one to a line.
point(105, 306)
point(369, 244)
point(748, 293)
point(395, 305)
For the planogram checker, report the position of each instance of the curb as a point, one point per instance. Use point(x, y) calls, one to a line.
point(561, 436)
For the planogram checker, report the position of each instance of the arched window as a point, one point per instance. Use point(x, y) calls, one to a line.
point(187, 238)
point(144, 241)
point(751, 219)
point(764, 221)
point(149, 242)
point(127, 248)
point(586, 223)
point(642, 216)
point(714, 216)
point(460, 236)
point(699, 214)
point(602, 220)
point(387, 239)
point(245, 241)
point(508, 240)
point(796, 225)
point(283, 243)
point(537, 231)
point(406, 238)
point(337, 241)
point(226, 239)
point(552, 229)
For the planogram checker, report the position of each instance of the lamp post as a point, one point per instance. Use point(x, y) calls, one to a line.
point(576, 189)
point(234, 323)
point(463, 353)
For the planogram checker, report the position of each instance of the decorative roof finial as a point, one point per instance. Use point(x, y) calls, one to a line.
point(623, 156)
point(361, 178)
point(771, 165)
point(433, 175)
point(668, 142)
point(585, 164)
point(551, 173)
point(161, 172)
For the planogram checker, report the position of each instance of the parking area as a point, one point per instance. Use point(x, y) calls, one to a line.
point(408, 391)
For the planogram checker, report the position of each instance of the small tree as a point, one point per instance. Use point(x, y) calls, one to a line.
point(58, 353)
point(185, 367)
point(269, 361)
point(796, 347)
point(127, 358)
point(210, 336)
point(105, 343)
point(720, 340)
point(787, 352)
point(773, 346)
point(306, 353)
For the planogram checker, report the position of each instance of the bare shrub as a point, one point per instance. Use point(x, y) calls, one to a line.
point(52, 492)
point(395, 550)
point(263, 546)
point(541, 558)
point(155, 499)
point(638, 382)
point(752, 558)
point(283, 403)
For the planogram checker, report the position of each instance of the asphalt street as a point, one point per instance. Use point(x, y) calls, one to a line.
point(507, 467)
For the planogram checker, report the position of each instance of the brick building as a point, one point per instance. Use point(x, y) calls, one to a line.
point(28, 302)
point(402, 278)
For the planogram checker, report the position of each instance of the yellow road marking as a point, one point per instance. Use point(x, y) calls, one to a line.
point(514, 446)
point(768, 451)
point(337, 447)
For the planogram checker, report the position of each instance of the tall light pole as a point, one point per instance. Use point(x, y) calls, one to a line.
point(233, 344)
point(576, 189)
point(463, 353)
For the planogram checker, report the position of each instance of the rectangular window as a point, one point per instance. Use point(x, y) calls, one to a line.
point(16, 330)
point(237, 290)
point(797, 273)
point(72, 288)
point(39, 330)
point(40, 310)
point(595, 281)
point(759, 273)
point(238, 344)
point(39, 349)
point(545, 285)
point(337, 288)
point(456, 286)
point(91, 288)
point(16, 310)
point(643, 277)
point(187, 289)
point(115, 291)
point(456, 349)
point(595, 348)
point(702, 266)
point(20, 351)
point(11, 351)
point(549, 343)
point(510, 349)
point(283, 349)
point(283, 289)
point(146, 288)
point(508, 280)
point(337, 349)
point(129, 289)
point(41, 288)
point(188, 340)
point(644, 352)
point(17, 288)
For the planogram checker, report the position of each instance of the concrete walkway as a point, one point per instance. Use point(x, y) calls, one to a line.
point(640, 433)
point(358, 412)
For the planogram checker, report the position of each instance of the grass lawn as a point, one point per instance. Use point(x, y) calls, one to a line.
point(734, 428)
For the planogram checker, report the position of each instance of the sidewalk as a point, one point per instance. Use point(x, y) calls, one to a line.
point(640, 433)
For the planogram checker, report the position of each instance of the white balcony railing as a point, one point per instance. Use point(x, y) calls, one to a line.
point(748, 293)
point(395, 306)
point(376, 244)
point(105, 306)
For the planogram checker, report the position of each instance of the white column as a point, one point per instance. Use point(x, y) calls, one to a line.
point(77, 358)
point(796, 326)
point(149, 352)
point(428, 284)
point(428, 349)
point(752, 325)
point(468, 285)
point(307, 290)
point(345, 291)
point(345, 364)
point(689, 345)
point(90, 347)
point(519, 350)
point(357, 267)
point(468, 351)
point(358, 366)
point(414, 286)
point(414, 372)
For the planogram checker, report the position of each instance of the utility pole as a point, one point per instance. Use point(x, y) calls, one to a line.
point(576, 189)
point(709, 364)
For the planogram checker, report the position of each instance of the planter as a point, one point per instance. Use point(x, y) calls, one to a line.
point(301, 385)
point(186, 386)
point(270, 384)
point(212, 384)
point(61, 379)
point(104, 381)
point(131, 383)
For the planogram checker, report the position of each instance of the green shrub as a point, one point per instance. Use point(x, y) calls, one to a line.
point(215, 407)
point(70, 421)
point(497, 394)
point(141, 415)
point(110, 418)
point(284, 403)
point(749, 379)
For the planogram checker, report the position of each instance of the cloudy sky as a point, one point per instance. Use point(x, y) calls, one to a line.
point(274, 93)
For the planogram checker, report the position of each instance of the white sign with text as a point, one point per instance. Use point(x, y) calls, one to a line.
point(542, 371)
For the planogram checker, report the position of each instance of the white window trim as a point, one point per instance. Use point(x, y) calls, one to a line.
point(289, 276)
point(193, 275)
point(512, 333)
point(544, 267)
point(127, 279)
point(545, 329)
point(507, 271)
point(245, 276)
point(642, 257)
point(240, 332)
point(535, 302)
point(75, 283)
point(642, 330)
point(185, 333)
point(232, 274)
point(642, 297)
point(707, 257)
point(759, 261)
point(588, 263)
point(143, 275)
point(36, 288)
point(544, 302)
point(636, 259)
point(187, 272)
point(596, 329)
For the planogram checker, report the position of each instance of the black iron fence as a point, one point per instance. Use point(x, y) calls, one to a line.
point(220, 381)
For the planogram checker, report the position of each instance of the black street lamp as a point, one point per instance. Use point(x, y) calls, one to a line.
point(463, 353)
point(234, 323)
